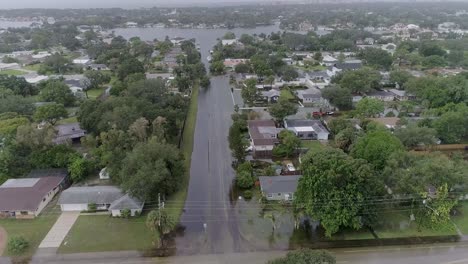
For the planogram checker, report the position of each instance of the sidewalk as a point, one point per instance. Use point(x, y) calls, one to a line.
point(57, 233)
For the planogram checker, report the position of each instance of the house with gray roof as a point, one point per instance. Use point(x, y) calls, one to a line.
point(307, 129)
point(68, 133)
point(110, 198)
point(25, 198)
point(279, 188)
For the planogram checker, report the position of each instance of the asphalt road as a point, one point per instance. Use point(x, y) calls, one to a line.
point(209, 218)
point(427, 254)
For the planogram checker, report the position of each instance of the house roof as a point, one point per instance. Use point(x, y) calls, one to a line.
point(349, 65)
point(279, 184)
point(126, 202)
point(306, 125)
point(263, 132)
point(68, 131)
point(380, 93)
point(93, 194)
point(26, 194)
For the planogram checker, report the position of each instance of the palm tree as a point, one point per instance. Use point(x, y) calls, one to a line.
point(161, 222)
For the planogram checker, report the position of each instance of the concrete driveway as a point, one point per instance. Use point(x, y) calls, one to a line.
point(57, 233)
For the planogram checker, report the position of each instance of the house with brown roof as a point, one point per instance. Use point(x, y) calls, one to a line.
point(25, 198)
point(263, 137)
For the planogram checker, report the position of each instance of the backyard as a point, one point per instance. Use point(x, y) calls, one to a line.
point(95, 233)
point(12, 72)
point(33, 230)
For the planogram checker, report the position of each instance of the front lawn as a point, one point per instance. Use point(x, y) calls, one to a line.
point(32, 67)
point(33, 230)
point(396, 225)
point(95, 93)
point(69, 120)
point(461, 219)
point(187, 148)
point(312, 144)
point(286, 93)
point(94, 233)
point(12, 72)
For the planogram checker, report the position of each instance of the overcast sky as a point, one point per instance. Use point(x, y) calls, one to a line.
point(5, 4)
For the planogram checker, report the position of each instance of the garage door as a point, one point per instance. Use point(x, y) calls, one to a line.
point(74, 207)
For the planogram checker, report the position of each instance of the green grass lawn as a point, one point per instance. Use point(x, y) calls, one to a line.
point(67, 120)
point(33, 230)
point(396, 225)
point(93, 233)
point(187, 148)
point(33, 67)
point(312, 144)
point(353, 235)
point(461, 220)
point(286, 93)
point(12, 72)
point(95, 93)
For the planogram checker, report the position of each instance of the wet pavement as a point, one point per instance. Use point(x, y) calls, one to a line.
point(209, 219)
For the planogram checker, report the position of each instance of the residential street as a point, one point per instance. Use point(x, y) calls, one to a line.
point(208, 200)
point(428, 254)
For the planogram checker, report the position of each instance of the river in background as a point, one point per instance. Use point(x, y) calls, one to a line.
point(206, 38)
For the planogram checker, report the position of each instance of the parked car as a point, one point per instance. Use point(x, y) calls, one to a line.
point(290, 167)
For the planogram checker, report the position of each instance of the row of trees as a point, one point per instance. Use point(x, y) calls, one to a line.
point(371, 165)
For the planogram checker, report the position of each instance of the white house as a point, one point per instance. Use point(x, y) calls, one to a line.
point(81, 60)
point(307, 129)
point(34, 78)
point(226, 42)
point(104, 174)
point(105, 198)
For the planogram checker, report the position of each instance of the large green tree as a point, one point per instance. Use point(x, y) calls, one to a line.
point(338, 96)
point(360, 81)
point(376, 147)
point(335, 190)
point(412, 136)
point(376, 58)
point(152, 168)
point(50, 113)
point(57, 91)
point(369, 107)
point(282, 109)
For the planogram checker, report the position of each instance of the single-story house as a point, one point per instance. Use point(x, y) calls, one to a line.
point(226, 42)
point(77, 86)
point(271, 96)
point(164, 76)
point(82, 60)
point(34, 78)
point(9, 66)
point(276, 188)
point(349, 65)
point(308, 129)
point(98, 67)
point(231, 63)
point(25, 198)
point(68, 133)
point(402, 95)
point(177, 40)
point(263, 137)
point(109, 198)
point(382, 95)
point(312, 97)
point(329, 60)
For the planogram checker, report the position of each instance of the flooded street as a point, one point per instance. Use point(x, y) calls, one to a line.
point(210, 219)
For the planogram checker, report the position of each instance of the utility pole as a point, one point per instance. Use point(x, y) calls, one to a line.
point(159, 208)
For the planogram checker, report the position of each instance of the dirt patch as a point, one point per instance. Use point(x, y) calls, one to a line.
point(3, 240)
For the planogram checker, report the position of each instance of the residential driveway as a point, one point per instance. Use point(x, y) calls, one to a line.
point(57, 233)
point(3, 240)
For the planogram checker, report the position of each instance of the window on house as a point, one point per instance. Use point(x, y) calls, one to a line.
point(279, 194)
point(24, 213)
point(43, 199)
point(310, 135)
point(270, 195)
point(301, 135)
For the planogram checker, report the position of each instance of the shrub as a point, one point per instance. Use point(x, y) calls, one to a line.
point(92, 207)
point(248, 195)
point(17, 245)
point(125, 213)
point(244, 180)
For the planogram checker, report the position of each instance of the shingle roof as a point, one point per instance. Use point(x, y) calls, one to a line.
point(68, 131)
point(261, 132)
point(87, 195)
point(15, 197)
point(126, 202)
point(279, 184)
